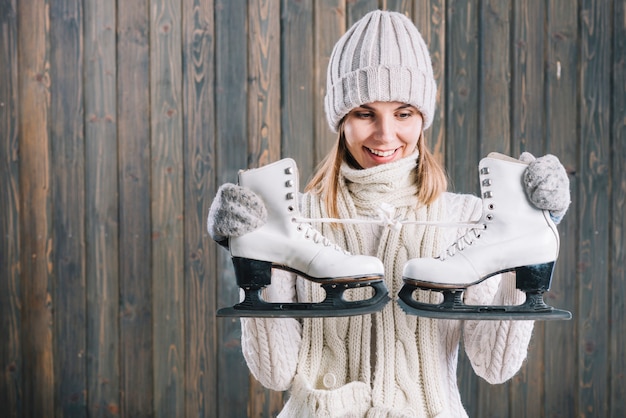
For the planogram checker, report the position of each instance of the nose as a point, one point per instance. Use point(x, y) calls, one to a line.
point(385, 129)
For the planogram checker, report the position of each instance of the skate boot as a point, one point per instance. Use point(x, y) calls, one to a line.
point(512, 235)
point(285, 244)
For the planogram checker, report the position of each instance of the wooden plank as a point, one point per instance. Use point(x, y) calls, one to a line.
point(35, 212)
point(400, 6)
point(561, 114)
point(461, 127)
point(356, 9)
point(462, 95)
point(430, 18)
point(329, 25)
point(263, 83)
point(525, 106)
point(528, 78)
point(617, 330)
point(231, 44)
point(101, 186)
point(594, 134)
point(297, 69)
point(135, 234)
point(495, 77)
point(68, 203)
point(264, 115)
point(10, 318)
point(167, 207)
point(199, 163)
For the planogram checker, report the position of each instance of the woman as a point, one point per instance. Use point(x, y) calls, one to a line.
point(380, 99)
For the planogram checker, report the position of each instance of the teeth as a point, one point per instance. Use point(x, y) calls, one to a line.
point(381, 153)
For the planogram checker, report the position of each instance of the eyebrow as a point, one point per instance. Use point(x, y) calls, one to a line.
point(403, 106)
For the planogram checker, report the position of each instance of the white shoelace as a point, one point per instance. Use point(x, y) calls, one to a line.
point(386, 217)
point(465, 241)
point(315, 235)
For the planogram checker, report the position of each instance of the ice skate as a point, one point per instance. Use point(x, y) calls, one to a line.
point(512, 235)
point(285, 244)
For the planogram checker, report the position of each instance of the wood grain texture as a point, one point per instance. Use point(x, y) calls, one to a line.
point(329, 25)
point(298, 116)
point(135, 233)
point(401, 6)
point(462, 80)
point(35, 223)
point(10, 317)
point(593, 234)
point(102, 222)
point(264, 93)
point(199, 168)
point(528, 79)
point(430, 19)
point(68, 256)
point(167, 200)
point(617, 290)
point(356, 9)
point(495, 77)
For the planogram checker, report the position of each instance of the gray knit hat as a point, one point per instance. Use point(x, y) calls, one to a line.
point(382, 57)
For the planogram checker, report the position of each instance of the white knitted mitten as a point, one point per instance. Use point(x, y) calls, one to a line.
point(547, 184)
point(234, 212)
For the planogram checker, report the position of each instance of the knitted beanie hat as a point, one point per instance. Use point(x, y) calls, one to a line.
point(382, 57)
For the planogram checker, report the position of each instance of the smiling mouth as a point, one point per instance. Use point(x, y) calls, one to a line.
point(382, 153)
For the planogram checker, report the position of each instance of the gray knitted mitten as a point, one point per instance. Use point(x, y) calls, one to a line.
point(234, 212)
point(547, 184)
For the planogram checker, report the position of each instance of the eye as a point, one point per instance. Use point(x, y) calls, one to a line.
point(404, 115)
point(363, 115)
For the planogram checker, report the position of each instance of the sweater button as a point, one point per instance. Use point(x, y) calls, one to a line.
point(330, 380)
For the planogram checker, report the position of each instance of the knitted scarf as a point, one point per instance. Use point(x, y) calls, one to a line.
point(405, 372)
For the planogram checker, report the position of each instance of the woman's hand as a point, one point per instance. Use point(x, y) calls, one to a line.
point(547, 184)
point(234, 212)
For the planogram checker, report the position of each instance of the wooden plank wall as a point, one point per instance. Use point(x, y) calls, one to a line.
point(119, 120)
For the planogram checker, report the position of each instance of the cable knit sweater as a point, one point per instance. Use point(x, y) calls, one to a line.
point(387, 364)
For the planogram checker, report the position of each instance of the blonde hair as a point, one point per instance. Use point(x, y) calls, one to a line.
point(430, 177)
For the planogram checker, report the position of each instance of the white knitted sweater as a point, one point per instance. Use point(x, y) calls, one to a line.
point(387, 364)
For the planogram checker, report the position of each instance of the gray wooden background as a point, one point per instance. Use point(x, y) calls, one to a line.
point(119, 119)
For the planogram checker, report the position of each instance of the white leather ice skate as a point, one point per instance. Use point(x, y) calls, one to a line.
point(512, 235)
point(283, 243)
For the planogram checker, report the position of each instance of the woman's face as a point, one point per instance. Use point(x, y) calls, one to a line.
point(382, 132)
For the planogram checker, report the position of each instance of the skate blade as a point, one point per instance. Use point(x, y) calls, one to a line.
point(333, 306)
point(453, 308)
